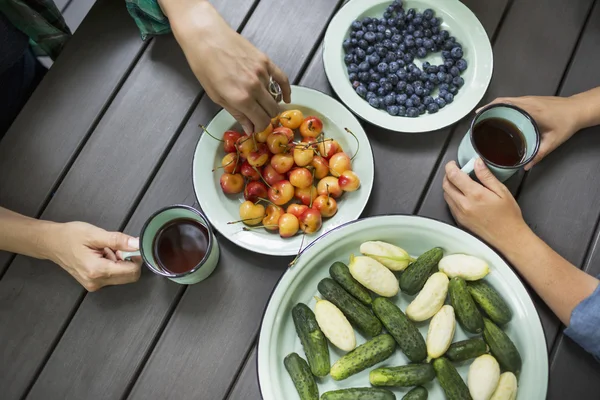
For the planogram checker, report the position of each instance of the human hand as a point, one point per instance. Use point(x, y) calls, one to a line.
point(555, 116)
point(90, 254)
point(233, 72)
point(489, 210)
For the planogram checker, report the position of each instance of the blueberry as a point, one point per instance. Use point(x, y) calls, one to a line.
point(401, 111)
point(433, 78)
point(428, 14)
point(373, 86)
point(363, 67)
point(401, 62)
point(446, 54)
point(370, 37)
point(352, 76)
point(427, 100)
point(417, 84)
point(456, 53)
point(394, 30)
point(442, 68)
point(361, 90)
point(382, 67)
point(419, 42)
point(429, 85)
point(370, 95)
point(389, 100)
point(435, 29)
point(421, 52)
point(392, 21)
point(409, 103)
point(363, 77)
point(363, 44)
point(380, 36)
point(419, 90)
point(433, 69)
point(381, 28)
point(409, 89)
point(375, 77)
point(444, 86)
point(453, 89)
point(356, 25)
point(409, 42)
point(370, 28)
point(424, 76)
point(401, 86)
point(390, 57)
point(444, 34)
point(432, 108)
point(461, 64)
point(381, 92)
point(417, 21)
point(454, 71)
point(410, 28)
point(422, 109)
point(370, 50)
point(361, 54)
point(387, 14)
point(449, 63)
point(426, 91)
point(416, 100)
point(367, 20)
point(402, 47)
point(352, 34)
point(440, 102)
point(448, 45)
point(425, 24)
point(412, 112)
point(449, 97)
point(428, 44)
point(401, 99)
point(388, 33)
point(402, 74)
point(374, 102)
point(393, 66)
point(382, 80)
point(408, 58)
point(392, 110)
point(396, 38)
point(394, 46)
point(393, 79)
point(346, 44)
point(458, 81)
point(443, 93)
point(373, 59)
point(360, 34)
point(348, 59)
point(441, 76)
point(434, 21)
point(387, 86)
point(418, 34)
point(381, 51)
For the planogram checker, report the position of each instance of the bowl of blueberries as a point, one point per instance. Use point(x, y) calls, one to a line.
point(408, 65)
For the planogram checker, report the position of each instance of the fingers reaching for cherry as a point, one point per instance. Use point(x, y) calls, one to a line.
point(289, 185)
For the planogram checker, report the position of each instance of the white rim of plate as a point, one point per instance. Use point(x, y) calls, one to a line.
point(480, 64)
point(266, 333)
point(264, 242)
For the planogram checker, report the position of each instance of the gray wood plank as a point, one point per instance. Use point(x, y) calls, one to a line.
point(538, 72)
point(214, 325)
point(76, 11)
point(96, 343)
point(55, 122)
point(410, 157)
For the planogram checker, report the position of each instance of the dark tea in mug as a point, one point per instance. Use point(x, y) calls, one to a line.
point(180, 245)
point(499, 141)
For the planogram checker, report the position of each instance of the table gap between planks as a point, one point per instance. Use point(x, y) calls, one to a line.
point(155, 339)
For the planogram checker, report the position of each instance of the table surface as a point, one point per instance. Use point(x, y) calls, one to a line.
point(108, 138)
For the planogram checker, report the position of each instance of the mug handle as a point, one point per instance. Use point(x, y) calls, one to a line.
point(128, 255)
point(469, 168)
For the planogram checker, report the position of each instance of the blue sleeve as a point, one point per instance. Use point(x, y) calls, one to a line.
point(584, 327)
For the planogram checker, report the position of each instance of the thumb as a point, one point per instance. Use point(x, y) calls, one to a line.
point(116, 241)
point(503, 100)
point(488, 179)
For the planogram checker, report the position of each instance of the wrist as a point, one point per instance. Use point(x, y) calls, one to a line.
point(518, 239)
point(582, 110)
point(188, 16)
point(44, 237)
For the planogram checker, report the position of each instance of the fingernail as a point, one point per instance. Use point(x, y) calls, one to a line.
point(134, 243)
point(479, 163)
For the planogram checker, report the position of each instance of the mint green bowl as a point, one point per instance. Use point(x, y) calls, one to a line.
point(416, 235)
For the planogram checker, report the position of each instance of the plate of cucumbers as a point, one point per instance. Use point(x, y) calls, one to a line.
point(401, 307)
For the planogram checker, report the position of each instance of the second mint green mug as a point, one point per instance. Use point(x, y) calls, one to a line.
point(468, 153)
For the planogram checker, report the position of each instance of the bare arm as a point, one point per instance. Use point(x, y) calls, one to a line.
point(24, 235)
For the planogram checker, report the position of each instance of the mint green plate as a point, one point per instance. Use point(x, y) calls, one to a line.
point(416, 235)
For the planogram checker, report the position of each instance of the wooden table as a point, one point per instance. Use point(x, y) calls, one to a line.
point(108, 138)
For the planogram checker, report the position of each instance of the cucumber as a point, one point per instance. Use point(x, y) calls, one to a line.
point(507, 387)
point(414, 277)
point(364, 356)
point(359, 394)
point(401, 328)
point(357, 313)
point(490, 301)
point(502, 347)
point(450, 380)
point(465, 308)
point(312, 338)
point(418, 393)
point(301, 376)
point(341, 274)
point(403, 376)
point(466, 349)
point(483, 377)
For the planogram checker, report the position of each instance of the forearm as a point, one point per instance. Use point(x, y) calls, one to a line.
point(188, 17)
point(23, 235)
point(559, 283)
point(587, 105)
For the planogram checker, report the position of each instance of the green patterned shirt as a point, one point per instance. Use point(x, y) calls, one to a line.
point(43, 23)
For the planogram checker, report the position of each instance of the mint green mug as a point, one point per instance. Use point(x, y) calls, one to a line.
point(153, 226)
point(468, 153)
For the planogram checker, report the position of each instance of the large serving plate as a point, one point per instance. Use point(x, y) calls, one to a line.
point(221, 209)
point(416, 235)
point(457, 19)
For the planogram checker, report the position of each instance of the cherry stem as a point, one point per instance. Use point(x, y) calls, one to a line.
point(206, 130)
point(295, 260)
point(259, 226)
point(261, 177)
point(243, 220)
point(224, 166)
point(266, 200)
point(255, 145)
point(357, 143)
